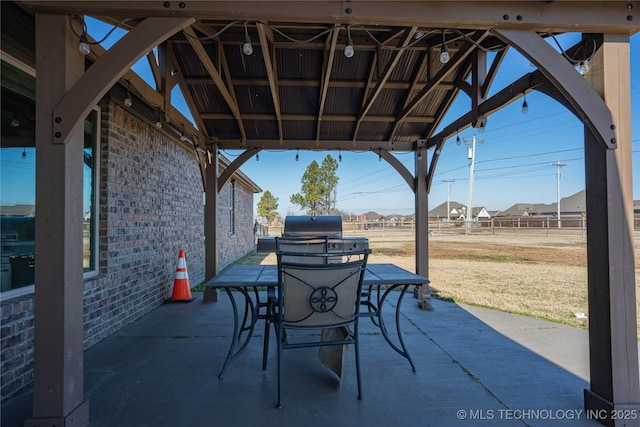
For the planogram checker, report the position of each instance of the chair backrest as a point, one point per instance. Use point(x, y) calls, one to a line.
point(303, 245)
point(316, 293)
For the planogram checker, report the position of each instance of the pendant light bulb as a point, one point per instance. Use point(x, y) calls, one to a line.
point(583, 68)
point(127, 101)
point(247, 47)
point(525, 105)
point(444, 55)
point(348, 49)
point(84, 47)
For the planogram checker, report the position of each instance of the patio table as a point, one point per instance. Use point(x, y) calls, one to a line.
point(379, 280)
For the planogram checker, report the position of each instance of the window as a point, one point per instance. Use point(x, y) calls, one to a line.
point(232, 208)
point(90, 192)
point(17, 179)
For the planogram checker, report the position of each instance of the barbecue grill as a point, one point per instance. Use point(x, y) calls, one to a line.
point(313, 226)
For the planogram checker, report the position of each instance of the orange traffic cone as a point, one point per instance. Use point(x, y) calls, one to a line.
point(181, 289)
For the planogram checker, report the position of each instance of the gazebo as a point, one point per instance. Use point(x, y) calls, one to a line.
point(333, 75)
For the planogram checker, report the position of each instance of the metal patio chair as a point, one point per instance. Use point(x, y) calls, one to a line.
point(318, 291)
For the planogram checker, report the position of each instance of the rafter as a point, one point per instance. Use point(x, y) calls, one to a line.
point(439, 76)
point(327, 66)
point(420, 70)
point(382, 79)
point(215, 76)
point(265, 34)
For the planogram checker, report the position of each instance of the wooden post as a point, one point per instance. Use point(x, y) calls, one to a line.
point(613, 347)
point(58, 357)
point(211, 224)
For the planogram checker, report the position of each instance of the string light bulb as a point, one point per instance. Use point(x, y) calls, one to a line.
point(525, 105)
point(158, 120)
point(247, 47)
point(84, 47)
point(339, 155)
point(458, 142)
point(297, 156)
point(444, 55)
point(583, 68)
point(257, 157)
point(183, 135)
point(348, 49)
point(127, 101)
point(24, 153)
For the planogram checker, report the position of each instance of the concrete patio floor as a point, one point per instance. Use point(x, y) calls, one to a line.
point(475, 367)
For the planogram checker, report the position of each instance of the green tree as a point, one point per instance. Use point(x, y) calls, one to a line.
point(267, 206)
point(319, 183)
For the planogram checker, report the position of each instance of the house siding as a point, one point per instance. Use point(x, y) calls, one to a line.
point(151, 207)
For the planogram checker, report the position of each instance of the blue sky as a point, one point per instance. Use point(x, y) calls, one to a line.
point(514, 164)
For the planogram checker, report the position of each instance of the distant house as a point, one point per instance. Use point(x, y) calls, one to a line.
point(457, 211)
point(573, 205)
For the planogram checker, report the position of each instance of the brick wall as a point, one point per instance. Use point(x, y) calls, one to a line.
point(151, 207)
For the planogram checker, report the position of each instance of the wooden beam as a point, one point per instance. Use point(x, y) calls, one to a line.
point(560, 15)
point(264, 33)
point(58, 393)
point(217, 79)
point(613, 346)
point(457, 59)
point(99, 78)
point(589, 105)
point(327, 66)
point(399, 167)
point(382, 79)
point(235, 165)
point(345, 145)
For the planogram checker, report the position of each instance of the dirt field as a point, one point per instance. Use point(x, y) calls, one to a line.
point(540, 276)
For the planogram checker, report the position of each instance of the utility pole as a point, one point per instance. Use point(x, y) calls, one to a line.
point(558, 165)
point(448, 181)
point(471, 155)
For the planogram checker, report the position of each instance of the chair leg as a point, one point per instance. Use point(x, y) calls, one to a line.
point(267, 325)
point(280, 338)
point(356, 346)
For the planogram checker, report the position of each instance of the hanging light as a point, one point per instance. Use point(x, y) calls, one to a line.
point(24, 153)
point(458, 139)
point(183, 135)
point(158, 119)
point(380, 155)
point(84, 47)
point(444, 55)
point(257, 157)
point(15, 122)
point(297, 156)
point(339, 155)
point(525, 105)
point(127, 100)
point(583, 68)
point(247, 48)
point(348, 49)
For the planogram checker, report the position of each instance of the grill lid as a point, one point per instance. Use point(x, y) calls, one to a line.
point(298, 226)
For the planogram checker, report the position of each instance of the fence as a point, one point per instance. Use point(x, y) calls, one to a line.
point(507, 225)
